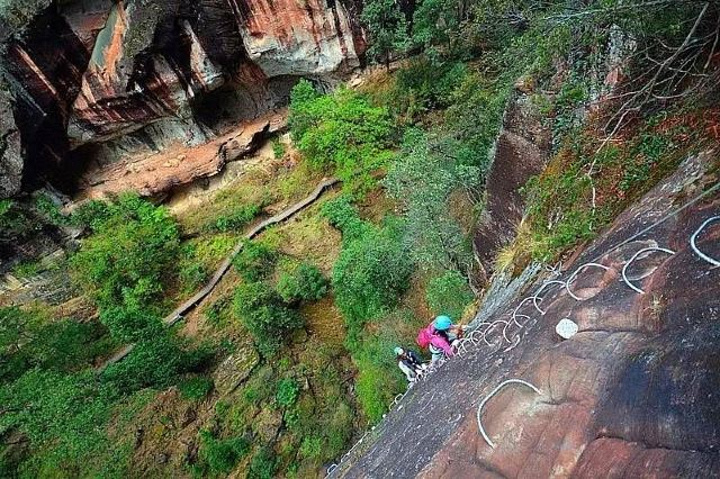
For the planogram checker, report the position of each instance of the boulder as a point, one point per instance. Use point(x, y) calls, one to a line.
point(235, 369)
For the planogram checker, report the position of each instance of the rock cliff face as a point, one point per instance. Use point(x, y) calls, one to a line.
point(521, 151)
point(96, 80)
point(633, 394)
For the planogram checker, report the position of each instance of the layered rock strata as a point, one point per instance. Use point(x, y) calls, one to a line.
point(109, 79)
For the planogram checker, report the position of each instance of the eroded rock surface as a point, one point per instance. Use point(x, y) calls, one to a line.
point(633, 394)
point(235, 369)
point(521, 151)
point(11, 161)
point(110, 79)
point(177, 164)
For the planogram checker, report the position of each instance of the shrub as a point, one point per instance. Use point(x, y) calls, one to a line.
point(50, 210)
point(303, 283)
point(264, 314)
point(287, 392)
point(423, 178)
point(219, 456)
point(449, 294)
point(424, 85)
point(342, 215)
point(130, 324)
point(341, 131)
point(278, 149)
point(132, 251)
point(155, 362)
point(196, 388)
point(14, 222)
point(263, 464)
point(235, 220)
point(28, 340)
point(312, 447)
point(379, 378)
point(255, 261)
point(370, 275)
point(62, 415)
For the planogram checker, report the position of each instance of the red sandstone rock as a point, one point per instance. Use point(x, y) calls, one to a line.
point(178, 164)
point(96, 72)
point(633, 395)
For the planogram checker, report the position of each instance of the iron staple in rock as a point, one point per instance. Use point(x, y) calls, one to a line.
point(489, 396)
point(693, 241)
point(634, 257)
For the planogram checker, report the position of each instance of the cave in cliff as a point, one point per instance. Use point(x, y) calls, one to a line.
point(97, 82)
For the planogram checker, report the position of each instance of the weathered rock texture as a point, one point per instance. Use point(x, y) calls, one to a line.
point(521, 151)
point(107, 79)
point(633, 394)
point(11, 161)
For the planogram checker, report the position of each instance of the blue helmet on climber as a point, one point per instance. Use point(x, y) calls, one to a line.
point(442, 323)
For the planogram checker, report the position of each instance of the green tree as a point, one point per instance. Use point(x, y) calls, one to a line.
point(388, 29)
point(436, 23)
point(131, 253)
point(423, 179)
point(373, 268)
point(265, 315)
point(304, 282)
point(342, 132)
point(449, 294)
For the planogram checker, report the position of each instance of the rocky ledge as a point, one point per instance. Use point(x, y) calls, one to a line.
point(102, 80)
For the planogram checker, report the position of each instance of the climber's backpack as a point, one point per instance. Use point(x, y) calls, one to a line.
point(424, 337)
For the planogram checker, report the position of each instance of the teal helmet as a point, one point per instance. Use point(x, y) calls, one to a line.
point(442, 323)
point(399, 351)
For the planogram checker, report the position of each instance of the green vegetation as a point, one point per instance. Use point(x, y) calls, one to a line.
point(131, 254)
point(218, 457)
point(449, 294)
point(255, 262)
point(373, 269)
point(388, 28)
point(303, 282)
point(196, 388)
point(268, 306)
point(413, 149)
point(263, 312)
point(49, 210)
point(341, 132)
point(14, 222)
point(279, 149)
point(564, 192)
point(287, 392)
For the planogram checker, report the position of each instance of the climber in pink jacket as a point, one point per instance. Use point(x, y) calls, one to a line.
point(439, 337)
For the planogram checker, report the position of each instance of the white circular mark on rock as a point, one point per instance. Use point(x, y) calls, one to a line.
point(566, 328)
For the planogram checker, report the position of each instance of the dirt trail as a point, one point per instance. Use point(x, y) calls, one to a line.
point(178, 314)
